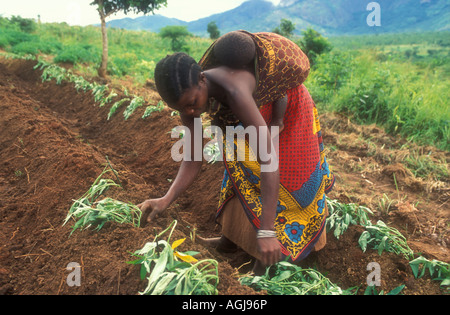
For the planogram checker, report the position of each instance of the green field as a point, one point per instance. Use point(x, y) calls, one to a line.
point(398, 81)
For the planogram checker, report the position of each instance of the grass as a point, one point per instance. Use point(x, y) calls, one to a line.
point(385, 203)
point(402, 96)
point(423, 166)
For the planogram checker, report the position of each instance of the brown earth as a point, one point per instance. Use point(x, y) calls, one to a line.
point(54, 143)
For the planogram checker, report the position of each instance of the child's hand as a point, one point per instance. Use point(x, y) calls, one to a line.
point(274, 132)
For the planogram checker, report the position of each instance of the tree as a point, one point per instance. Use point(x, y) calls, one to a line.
point(286, 28)
point(213, 30)
point(313, 44)
point(25, 25)
point(177, 35)
point(106, 8)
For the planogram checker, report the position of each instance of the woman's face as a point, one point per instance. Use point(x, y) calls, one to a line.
point(193, 101)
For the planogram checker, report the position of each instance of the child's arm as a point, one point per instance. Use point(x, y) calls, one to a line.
point(278, 111)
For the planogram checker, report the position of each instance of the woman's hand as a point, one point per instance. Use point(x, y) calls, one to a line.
point(269, 249)
point(151, 208)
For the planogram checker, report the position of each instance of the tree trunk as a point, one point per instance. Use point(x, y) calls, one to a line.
point(102, 70)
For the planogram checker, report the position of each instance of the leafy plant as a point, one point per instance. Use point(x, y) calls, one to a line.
point(434, 267)
point(108, 99)
point(98, 90)
point(51, 72)
point(285, 278)
point(89, 211)
point(382, 237)
point(385, 204)
point(80, 83)
point(341, 216)
point(136, 102)
point(174, 273)
point(116, 106)
point(152, 108)
point(212, 150)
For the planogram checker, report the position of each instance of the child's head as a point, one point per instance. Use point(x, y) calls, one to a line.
point(235, 49)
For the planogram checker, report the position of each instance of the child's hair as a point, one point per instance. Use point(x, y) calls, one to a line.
point(174, 74)
point(235, 49)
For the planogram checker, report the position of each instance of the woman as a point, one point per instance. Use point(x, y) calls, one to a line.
point(251, 80)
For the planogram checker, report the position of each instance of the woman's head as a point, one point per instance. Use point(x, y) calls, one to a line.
point(235, 49)
point(175, 75)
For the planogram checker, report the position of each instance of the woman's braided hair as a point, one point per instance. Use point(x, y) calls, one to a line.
point(178, 72)
point(175, 74)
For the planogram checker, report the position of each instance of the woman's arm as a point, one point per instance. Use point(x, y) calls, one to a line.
point(239, 86)
point(186, 175)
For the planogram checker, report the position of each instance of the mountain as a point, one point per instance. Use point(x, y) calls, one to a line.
point(150, 23)
point(330, 17)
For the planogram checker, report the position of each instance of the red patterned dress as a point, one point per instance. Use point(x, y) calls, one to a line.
point(305, 178)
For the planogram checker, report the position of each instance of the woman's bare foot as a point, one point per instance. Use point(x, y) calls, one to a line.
point(222, 244)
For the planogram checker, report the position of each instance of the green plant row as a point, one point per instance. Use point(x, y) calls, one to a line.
point(52, 71)
point(102, 94)
point(381, 237)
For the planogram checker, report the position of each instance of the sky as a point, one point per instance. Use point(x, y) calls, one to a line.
point(80, 12)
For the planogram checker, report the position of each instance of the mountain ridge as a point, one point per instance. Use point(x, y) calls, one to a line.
point(330, 17)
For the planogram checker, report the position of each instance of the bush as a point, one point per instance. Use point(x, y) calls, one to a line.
point(177, 34)
point(15, 37)
point(313, 44)
point(122, 65)
point(26, 48)
point(331, 72)
point(50, 46)
point(3, 41)
point(78, 54)
point(25, 25)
